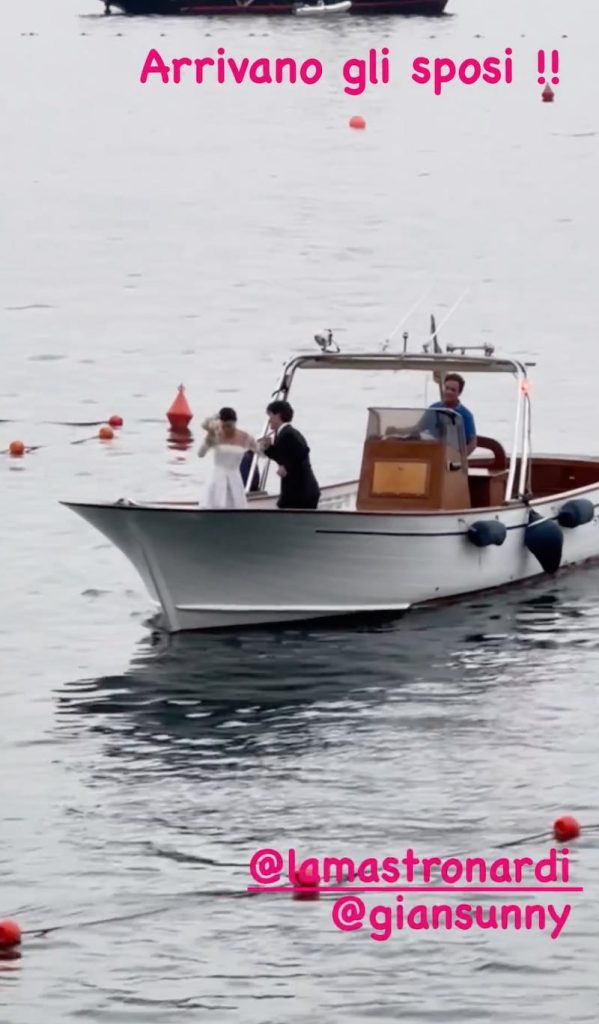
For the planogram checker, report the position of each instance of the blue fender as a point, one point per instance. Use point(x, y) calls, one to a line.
point(576, 512)
point(545, 540)
point(486, 532)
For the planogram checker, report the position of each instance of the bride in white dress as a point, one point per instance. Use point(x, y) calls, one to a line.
point(226, 488)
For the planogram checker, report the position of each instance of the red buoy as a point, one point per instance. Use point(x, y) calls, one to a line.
point(16, 449)
point(116, 421)
point(179, 414)
point(10, 934)
point(548, 94)
point(566, 828)
point(357, 121)
point(106, 433)
point(307, 879)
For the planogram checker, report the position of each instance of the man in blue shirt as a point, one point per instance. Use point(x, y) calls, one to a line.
point(453, 385)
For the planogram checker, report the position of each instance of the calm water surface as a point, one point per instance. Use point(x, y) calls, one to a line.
point(158, 235)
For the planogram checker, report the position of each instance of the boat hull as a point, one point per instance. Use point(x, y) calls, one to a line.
point(426, 8)
point(260, 566)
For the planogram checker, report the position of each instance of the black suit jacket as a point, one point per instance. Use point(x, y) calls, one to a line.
point(299, 487)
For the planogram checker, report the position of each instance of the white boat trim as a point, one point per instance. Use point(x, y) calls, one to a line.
point(293, 609)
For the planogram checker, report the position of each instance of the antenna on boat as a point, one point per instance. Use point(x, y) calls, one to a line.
point(385, 344)
point(436, 346)
point(433, 335)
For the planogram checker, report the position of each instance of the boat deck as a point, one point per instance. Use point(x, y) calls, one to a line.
point(552, 475)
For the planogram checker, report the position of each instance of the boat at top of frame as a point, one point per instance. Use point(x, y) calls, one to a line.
point(425, 8)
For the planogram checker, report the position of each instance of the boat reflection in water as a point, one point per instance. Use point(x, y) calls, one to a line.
point(196, 705)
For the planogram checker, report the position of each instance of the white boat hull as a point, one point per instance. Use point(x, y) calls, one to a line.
point(214, 569)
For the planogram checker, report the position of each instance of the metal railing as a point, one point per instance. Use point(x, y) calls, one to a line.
point(521, 442)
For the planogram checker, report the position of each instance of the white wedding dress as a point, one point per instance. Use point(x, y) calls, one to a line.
point(226, 488)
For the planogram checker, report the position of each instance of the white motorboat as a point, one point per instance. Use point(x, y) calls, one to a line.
point(423, 523)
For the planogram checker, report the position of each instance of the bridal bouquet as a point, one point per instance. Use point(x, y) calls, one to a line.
point(212, 426)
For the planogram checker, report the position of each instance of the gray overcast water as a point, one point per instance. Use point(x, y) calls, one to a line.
point(161, 234)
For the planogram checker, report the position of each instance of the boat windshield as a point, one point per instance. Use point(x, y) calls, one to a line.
point(442, 425)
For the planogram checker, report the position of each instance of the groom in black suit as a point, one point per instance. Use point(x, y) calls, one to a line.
point(299, 486)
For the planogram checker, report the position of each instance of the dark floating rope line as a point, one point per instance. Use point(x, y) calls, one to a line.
point(42, 932)
point(39, 447)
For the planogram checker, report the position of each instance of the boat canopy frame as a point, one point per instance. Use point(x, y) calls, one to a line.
point(439, 363)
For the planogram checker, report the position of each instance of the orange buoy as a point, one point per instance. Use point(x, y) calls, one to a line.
point(10, 934)
point(307, 880)
point(16, 449)
point(106, 433)
point(357, 121)
point(566, 828)
point(179, 415)
point(548, 94)
point(116, 421)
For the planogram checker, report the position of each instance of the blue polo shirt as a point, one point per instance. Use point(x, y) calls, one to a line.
point(468, 418)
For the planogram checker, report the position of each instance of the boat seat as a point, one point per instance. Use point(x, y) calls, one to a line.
point(487, 487)
point(499, 461)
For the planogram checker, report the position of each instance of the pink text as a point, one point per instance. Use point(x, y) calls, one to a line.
point(261, 71)
point(443, 70)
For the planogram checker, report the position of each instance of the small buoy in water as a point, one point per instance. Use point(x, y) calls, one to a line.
point(179, 414)
point(357, 121)
point(106, 433)
point(116, 421)
point(308, 880)
point(16, 449)
point(566, 828)
point(548, 94)
point(10, 934)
